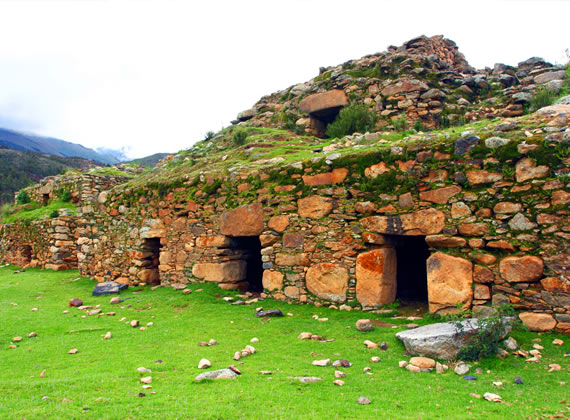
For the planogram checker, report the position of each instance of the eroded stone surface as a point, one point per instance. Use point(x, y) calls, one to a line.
point(449, 283)
point(243, 221)
point(328, 281)
point(376, 277)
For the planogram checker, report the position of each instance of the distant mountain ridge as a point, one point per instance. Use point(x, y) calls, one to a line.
point(29, 142)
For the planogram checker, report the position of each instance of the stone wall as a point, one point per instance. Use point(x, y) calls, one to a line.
point(51, 242)
point(83, 188)
point(47, 243)
point(496, 224)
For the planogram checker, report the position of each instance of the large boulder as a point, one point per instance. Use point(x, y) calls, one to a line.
point(226, 272)
point(243, 221)
point(322, 102)
point(442, 340)
point(376, 277)
point(450, 282)
point(328, 281)
point(423, 222)
point(217, 374)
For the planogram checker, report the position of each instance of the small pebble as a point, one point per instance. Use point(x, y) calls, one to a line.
point(363, 401)
point(470, 378)
point(518, 380)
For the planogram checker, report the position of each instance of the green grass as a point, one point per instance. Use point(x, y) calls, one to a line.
point(33, 211)
point(101, 381)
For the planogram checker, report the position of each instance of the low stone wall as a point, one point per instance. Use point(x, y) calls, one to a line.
point(47, 243)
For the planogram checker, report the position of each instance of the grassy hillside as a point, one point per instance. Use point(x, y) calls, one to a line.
point(149, 161)
point(101, 380)
point(19, 169)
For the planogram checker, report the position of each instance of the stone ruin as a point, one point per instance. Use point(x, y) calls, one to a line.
point(454, 223)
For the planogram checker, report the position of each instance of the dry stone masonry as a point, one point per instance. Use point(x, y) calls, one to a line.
point(471, 219)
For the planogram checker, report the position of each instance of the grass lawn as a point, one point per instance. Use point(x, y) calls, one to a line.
point(101, 381)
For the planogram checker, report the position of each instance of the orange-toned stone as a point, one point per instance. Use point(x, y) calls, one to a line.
point(423, 222)
point(526, 169)
point(441, 195)
point(473, 229)
point(525, 269)
point(226, 272)
point(504, 245)
point(243, 221)
point(375, 170)
point(364, 207)
point(376, 277)
point(315, 207)
point(336, 176)
point(374, 238)
point(507, 207)
point(445, 241)
point(537, 322)
point(555, 284)
point(560, 197)
point(449, 283)
point(483, 275)
point(272, 280)
point(481, 292)
point(291, 260)
point(436, 175)
point(217, 241)
point(476, 178)
point(278, 223)
point(328, 281)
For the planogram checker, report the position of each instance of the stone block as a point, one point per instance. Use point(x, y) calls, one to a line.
point(243, 221)
point(328, 281)
point(376, 277)
point(450, 282)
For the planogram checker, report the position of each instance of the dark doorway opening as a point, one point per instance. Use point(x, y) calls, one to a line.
point(250, 246)
point(26, 254)
point(151, 259)
point(321, 119)
point(412, 254)
point(45, 199)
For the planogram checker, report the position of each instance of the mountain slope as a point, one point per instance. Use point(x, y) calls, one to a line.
point(51, 146)
point(18, 169)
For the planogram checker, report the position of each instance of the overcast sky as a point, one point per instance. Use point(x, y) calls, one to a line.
point(155, 76)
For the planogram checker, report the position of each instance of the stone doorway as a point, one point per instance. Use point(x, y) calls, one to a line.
point(249, 250)
point(150, 260)
point(394, 269)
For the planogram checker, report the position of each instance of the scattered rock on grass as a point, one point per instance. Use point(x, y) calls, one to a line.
point(204, 364)
point(364, 325)
point(272, 312)
point(363, 401)
point(115, 300)
point(492, 397)
point(307, 379)
point(134, 323)
point(226, 373)
point(342, 363)
point(72, 351)
point(322, 363)
point(146, 380)
point(32, 334)
point(75, 303)
point(338, 382)
point(511, 344)
point(143, 370)
point(423, 362)
point(107, 336)
point(339, 374)
point(462, 368)
point(518, 380)
point(16, 339)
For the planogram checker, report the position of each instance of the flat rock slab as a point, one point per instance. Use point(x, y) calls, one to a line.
point(108, 288)
point(440, 341)
point(217, 374)
point(272, 312)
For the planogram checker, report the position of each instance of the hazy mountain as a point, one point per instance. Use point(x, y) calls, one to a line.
point(29, 142)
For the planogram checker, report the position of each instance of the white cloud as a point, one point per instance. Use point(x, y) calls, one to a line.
point(156, 75)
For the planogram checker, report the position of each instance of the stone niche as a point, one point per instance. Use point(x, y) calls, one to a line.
point(323, 108)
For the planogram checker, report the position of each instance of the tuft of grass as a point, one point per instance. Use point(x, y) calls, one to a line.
point(34, 211)
point(101, 380)
point(543, 97)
